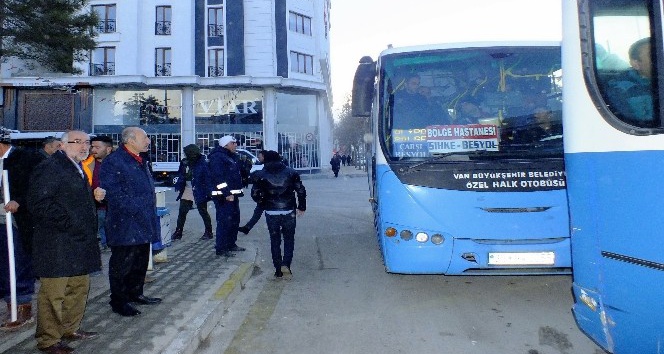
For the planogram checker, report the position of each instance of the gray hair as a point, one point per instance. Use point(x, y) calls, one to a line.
point(65, 136)
point(129, 133)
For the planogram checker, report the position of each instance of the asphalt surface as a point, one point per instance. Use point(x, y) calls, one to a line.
point(196, 287)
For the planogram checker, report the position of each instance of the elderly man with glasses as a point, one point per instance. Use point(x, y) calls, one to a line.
point(65, 246)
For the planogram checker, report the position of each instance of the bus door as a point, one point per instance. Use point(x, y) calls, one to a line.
point(614, 157)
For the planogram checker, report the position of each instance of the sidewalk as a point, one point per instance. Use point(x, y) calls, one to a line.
point(196, 287)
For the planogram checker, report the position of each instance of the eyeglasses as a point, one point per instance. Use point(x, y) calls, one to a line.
point(80, 142)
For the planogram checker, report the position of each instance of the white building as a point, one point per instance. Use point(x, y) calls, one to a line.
point(190, 71)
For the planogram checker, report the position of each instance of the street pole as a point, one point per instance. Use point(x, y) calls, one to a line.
point(10, 247)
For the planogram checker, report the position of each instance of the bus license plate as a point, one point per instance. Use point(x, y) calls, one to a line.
point(522, 258)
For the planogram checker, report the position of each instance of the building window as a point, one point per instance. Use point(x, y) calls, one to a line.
point(302, 63)
point(103, 61)
point(163, 23)
point(162, 62)
point(299, 23)
point(215, 22)
point(215, 62)
point(106, 14)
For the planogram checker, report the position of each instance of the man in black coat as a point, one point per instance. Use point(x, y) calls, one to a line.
point(19, 164)
point(65, 248)
point(274, 189)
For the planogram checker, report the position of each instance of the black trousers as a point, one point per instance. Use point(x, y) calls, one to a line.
point(126, 272)
point(185, 206)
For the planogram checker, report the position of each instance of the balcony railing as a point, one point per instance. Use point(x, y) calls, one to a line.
point(163, 70)
point(107, 68)
point(215, 71)
point(215, 30)
point(162, 28)
point(105, 26)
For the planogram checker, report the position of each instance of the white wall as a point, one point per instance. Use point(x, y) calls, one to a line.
point(259, 38)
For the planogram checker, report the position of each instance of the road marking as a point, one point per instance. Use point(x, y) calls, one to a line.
point(257, 318)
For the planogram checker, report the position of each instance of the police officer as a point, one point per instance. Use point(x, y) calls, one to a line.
point(226, 183)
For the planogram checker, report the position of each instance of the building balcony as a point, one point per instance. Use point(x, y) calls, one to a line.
point(105, 26)
point(215, 30)
point(215, 71)
point(162, 28)
point(163, 69)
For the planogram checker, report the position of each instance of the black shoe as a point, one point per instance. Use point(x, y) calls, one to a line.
point(278, 273)
point(144, 300)
point(237, 248)
point(243, 229)
point(177, 235)
point(225, 254)
point(126, 310)
point(207, 236)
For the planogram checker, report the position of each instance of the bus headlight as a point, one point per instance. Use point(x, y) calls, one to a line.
point(437, 239)
point(406, 235)
point(390, 232)
point(422, 237)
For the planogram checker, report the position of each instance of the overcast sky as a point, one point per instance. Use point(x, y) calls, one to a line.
point(366, 27)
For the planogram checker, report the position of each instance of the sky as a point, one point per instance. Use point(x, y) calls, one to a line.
point(366, 27)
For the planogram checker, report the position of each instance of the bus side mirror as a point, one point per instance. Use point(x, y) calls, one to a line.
point(363, 87)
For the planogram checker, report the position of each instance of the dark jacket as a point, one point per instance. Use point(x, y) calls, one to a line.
point(225, 177)
point(199, 179)
point(131, 214)
point(65, 219)
point(335, 162)
point(275, 186)
point(19, 165)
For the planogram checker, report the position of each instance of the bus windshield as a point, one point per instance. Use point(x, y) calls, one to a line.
point(504, 102)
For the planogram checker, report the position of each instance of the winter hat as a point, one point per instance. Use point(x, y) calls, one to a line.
point(192, 150)
point(224, 140)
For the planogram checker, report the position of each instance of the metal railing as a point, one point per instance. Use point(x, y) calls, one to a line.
point(162, 28)
point(105, 26)
point(162, 70)
point(215, 71)
point(97, 69)
point(215, 30)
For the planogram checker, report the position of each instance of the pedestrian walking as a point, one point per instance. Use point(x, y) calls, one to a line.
point(65, 243)
point(18, 163)
point(335, 162)
point(131, 221)
point(275, 188)
point(192, 188)
point(226, 188)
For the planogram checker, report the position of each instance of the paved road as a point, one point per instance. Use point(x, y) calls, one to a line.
point(342, 301)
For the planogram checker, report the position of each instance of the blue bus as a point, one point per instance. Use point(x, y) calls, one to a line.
point(614, 154)
point(466, 173)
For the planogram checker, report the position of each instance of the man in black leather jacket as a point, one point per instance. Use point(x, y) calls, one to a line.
point(274, 189)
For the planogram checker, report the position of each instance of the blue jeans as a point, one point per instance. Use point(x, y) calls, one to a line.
point(228, 221)
point(281, 226)
point(101, 219)
point(25, 279)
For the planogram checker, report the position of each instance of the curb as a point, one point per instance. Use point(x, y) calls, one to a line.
point(199, 328)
